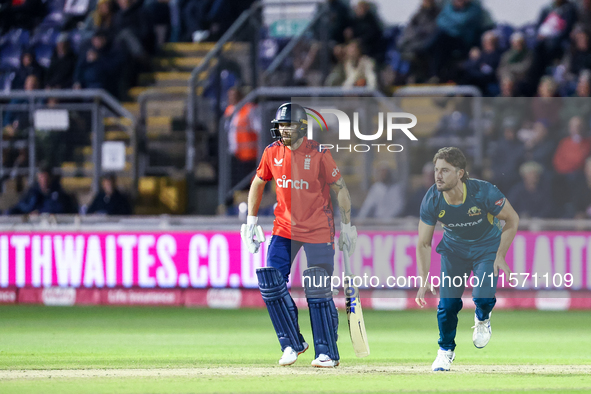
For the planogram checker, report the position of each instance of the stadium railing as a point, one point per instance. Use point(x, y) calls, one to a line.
point(97, 101)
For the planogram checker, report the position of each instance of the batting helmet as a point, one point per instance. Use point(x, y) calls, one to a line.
point(290, 113)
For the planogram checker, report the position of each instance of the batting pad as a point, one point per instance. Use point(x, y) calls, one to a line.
point(323, 313)
point(282, 309)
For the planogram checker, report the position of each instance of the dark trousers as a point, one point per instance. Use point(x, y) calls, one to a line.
point(450, 303)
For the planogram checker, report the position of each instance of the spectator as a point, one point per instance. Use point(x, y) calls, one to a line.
point(44, 196)
point(28, 66)
point(516, 62)
point(419, 29)
point(538, 146)
point(578, 57)
point(481, 67)
point(584, 84)
point(459, 26)
point(456, 123)
point(367, 28)
point(554, 26)
point(546, 107)
point(109, 200)
point(134, 30)
point(506, 157)
point(243, 135)
point(17, 122)
point(105, 72)
point(337, 75)
point(569, 161)
point(508, 106)
point(413, 204)
point(339, 19)
point(531, 197)
point(385, 199)
point(579, 105)
point(91, 73)
point(582, 194)
point(359, 68)
point(194, 18)
point(508, 88)
point(102, 17)
point(572, 151)
point(62, 66)
point(134, 38)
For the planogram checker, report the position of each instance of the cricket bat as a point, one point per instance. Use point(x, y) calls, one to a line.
point(354, 313)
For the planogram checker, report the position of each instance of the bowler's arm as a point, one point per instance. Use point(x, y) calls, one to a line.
point(255, 195)
point(344, 199)
point(511, 219)
point(424, 250)
point(424, 260)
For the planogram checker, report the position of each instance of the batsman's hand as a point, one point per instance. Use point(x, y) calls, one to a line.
point(420, 299)
point(348, 238)
point(252, 234)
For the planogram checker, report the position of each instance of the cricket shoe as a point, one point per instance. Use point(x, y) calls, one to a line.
point(443, 360)
point(482, 332)
point(290, 356)
point(323, 361)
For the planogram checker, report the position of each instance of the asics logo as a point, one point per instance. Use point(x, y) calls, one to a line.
point(278, 163)
point(285, 183)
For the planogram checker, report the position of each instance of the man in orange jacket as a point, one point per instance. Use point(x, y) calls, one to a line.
point(243, 135)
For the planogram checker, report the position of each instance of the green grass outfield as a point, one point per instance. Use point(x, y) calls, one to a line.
point(178, 350)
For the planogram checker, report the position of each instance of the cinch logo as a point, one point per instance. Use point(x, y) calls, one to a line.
point(285, 183)
point(345, 129)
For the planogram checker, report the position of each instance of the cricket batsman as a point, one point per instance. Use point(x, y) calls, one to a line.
point(304, 175)
point(470, 211)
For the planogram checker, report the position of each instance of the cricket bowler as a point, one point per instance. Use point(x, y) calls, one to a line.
point(470, 211)
point(304, 175)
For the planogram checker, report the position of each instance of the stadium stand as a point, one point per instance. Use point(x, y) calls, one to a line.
point(147, 67)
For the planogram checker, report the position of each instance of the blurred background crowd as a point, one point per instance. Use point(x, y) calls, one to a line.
point(536, 79)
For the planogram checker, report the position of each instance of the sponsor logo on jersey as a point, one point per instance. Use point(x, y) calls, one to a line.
point(307, 162)
point(474, 211)
point(285, 183)
point(442, 213)
point(278, 163)
point(467, 224)
point(335, 172)
point(500, 202)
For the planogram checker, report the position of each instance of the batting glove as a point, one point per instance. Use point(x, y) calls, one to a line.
point(348, 238)
point(252, 234)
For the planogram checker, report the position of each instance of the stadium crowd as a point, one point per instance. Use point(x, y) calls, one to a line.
point(537, 148)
